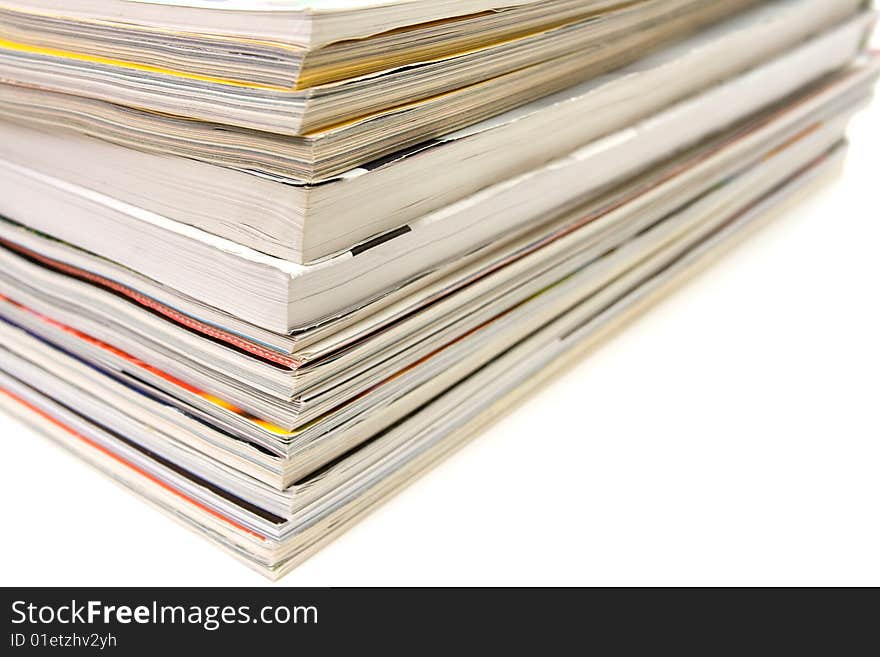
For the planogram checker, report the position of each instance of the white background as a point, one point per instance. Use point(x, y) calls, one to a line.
point(729, 437)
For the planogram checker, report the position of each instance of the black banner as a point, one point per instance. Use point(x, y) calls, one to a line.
point(122, 621)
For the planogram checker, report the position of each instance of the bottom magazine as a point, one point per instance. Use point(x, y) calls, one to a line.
point(273, 531)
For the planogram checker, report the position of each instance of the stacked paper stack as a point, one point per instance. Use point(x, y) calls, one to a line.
point(264, 262)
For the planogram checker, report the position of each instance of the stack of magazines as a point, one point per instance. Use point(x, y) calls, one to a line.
point(264, 262)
